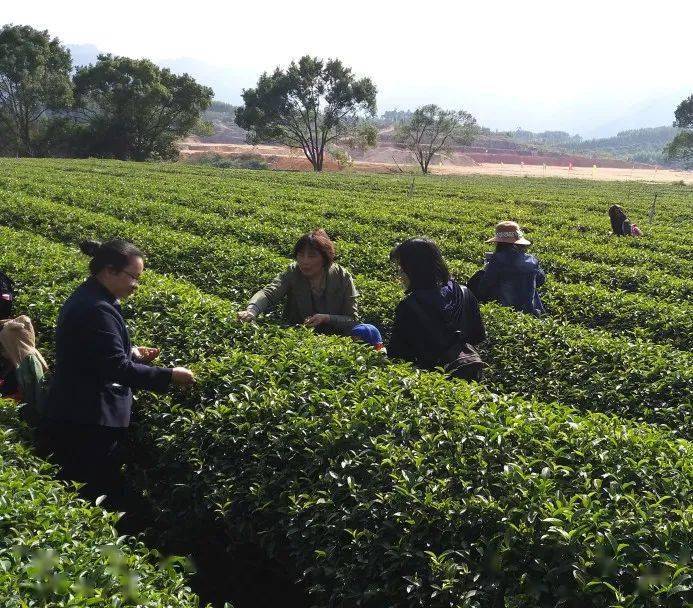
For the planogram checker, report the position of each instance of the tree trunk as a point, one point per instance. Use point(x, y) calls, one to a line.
point(320, 157)
point(26, 137)
point(422, 164)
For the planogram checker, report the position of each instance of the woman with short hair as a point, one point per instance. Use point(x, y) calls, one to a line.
point(88, 408)
point(319, 293)
point(438, 319)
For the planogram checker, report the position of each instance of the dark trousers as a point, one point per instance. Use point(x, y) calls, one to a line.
point(90, 454)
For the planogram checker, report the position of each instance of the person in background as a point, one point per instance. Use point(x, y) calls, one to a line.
point(318, 292)
point(620, 224)
point(438, 321)
point(24, 370)
point(88, 407)
point(511, 276)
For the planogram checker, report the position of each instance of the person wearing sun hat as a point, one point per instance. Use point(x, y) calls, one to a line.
point(511, 275)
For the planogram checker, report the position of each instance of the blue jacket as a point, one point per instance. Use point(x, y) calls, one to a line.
point(94, 369)
point(511, 277)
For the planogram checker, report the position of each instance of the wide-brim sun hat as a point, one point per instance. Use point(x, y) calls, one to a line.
point(509, 232)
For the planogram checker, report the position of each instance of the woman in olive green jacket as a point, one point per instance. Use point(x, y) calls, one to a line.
point(319, 293)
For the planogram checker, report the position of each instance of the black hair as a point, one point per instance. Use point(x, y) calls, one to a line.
point(617, 216)
point(422, 262)
point(116, 253)
point(318, 240)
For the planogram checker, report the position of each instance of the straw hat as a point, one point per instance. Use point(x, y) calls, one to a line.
point(509, 232)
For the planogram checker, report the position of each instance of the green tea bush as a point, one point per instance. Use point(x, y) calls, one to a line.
point(608, 265)
point(378, 485)
point(528, 356)
point(552, 208)
point(371, 483)
point(58, 550)
point(242, 161)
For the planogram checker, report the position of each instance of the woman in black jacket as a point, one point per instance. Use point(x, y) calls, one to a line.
point(438, 318)
point(96, 369)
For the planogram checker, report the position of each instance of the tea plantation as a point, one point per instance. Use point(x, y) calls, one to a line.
point(564, 479)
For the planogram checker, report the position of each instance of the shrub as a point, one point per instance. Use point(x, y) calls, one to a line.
point(58, 550)
point(242, 161)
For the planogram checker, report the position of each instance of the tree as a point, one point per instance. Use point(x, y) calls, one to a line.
point(681, 147)
point(310, 105)
point(432, 130)
point(34, 80)
point(133, 109)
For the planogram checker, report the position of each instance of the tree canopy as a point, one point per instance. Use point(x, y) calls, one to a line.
point(34, 80)
point(681, 148)
point(309, 105)
point(432, 130)
point(133, 109)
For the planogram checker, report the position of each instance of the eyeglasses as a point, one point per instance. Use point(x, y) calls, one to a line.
point(132, 276)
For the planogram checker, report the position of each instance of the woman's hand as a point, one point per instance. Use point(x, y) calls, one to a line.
point(317, 319)
point(144, 353)
point(246, 315)
point(182, 377)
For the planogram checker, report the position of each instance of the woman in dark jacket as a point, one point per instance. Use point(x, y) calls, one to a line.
point(620, 224)
point(511, 275)
point(437, 316)
point(96, 369)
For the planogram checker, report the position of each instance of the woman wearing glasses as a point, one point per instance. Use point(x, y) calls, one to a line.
point(96, 369)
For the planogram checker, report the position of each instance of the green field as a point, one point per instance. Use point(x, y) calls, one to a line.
point(564, 479)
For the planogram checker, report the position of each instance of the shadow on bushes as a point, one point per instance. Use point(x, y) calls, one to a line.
point(236, 574)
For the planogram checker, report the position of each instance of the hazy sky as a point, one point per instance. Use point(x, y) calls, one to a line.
point(588, 66)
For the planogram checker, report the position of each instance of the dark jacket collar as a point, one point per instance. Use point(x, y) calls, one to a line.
point(96, 287)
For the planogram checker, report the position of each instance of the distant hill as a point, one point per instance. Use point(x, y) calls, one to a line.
point(639, 147)
point(221, 115)
point(636, 145)
point(645, 113)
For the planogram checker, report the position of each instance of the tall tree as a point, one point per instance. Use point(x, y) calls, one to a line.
point(681, 147)
point(136, 110)
point(432, 130)
point(309, 105)
point(34, 79)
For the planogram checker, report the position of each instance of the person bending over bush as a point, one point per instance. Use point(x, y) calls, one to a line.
point(620, 224)
point(318, 292)
point(511, 275)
